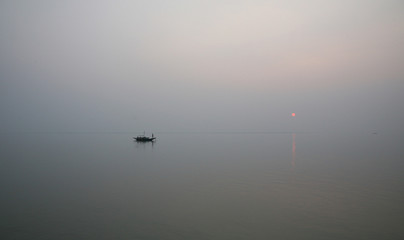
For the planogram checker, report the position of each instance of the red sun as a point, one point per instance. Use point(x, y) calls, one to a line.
point(293, 114)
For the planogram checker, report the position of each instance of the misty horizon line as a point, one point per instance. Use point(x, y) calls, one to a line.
point(183, 132)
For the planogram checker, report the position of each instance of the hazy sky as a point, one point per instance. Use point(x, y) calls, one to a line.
point(181, 65)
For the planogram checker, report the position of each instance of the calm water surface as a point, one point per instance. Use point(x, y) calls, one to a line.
point(202, 186)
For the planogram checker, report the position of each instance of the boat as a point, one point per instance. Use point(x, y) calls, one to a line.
point(144, 138)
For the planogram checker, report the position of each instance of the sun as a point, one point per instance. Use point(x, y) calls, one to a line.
point(293, 114)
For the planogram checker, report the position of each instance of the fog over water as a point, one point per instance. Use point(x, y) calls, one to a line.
point(201, 65)
point(274, 119)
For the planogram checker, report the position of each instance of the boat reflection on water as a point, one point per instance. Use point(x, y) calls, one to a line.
point(144, 144)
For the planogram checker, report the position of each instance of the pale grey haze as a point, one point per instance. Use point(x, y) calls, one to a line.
point(201, 65)
point(274, 119)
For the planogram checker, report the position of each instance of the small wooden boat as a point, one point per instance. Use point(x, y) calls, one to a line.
point(144, 138)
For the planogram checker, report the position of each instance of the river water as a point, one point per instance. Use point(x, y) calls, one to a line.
point(202, 186)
